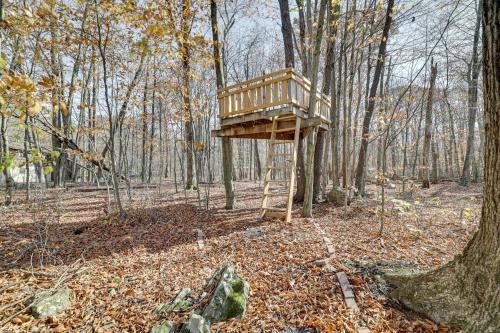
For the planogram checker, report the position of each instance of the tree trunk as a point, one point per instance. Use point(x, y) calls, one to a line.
point(311, 137)
point(258, 167)
point(332, 18)
point(465, 292)
point(472, 102)
point(428, 129)
point(4, 144)
point(360, 169)
point(287, 31)
point(144, 127)
point(227, 149)
point(152, 133)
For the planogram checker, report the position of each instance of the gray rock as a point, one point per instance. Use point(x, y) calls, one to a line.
point(112, 292)
point(50, 303)
point(181, 302)
point(166, 327)
point(195, 324)
point(230, 295)
point(254, 232)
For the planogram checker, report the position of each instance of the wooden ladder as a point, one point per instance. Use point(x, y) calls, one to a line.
point(272, 164)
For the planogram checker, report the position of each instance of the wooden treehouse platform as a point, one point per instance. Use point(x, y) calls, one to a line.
point(246, 109)
point(275, 107)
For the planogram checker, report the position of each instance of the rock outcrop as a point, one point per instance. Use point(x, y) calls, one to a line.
point(195, 324)
point(227, 295)
point(50, 303)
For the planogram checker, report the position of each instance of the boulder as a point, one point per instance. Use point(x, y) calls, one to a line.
point(181, 302)
point(50, 303)
point(227, 294)
point(195, 324)
point(336, 196)
point(165, 327)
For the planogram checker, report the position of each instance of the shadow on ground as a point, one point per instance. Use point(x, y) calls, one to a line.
point(155, 227)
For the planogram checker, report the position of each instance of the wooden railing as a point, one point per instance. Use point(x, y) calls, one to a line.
point(270, 91)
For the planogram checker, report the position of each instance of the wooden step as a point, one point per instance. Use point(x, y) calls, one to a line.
point(284, 130)
point(275, 209)
point(274, 167)
point(286, 118)
point(277, 194)
point(278, 215)
point(278, 180)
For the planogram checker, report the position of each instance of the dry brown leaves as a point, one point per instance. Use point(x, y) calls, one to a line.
point(133, 266)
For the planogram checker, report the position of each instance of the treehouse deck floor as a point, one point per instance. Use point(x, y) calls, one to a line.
point(258, 124)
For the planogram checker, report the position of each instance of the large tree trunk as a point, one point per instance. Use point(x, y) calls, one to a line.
point(287, 31)
point(472, 102)
point(144, 127)
point(227, 149)
point(311, 137)
point(4, 144)
point(465, 291)
point(428, 129)
point(152, 133)
point(333, 14)
point(360, 169)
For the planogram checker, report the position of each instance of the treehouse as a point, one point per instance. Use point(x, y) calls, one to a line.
point(274, 106)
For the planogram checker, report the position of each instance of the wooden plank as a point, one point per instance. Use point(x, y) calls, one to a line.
point(293, 171)
point(268, 173)
point(284, 90)
point(244, 87)
point(200, 241)
point(274, 214)
point(258, 78)
point(241, 131)
point(347, 291)
point(276, 97)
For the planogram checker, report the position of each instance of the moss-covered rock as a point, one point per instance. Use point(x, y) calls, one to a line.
point(181, 302)
point(229, 297)
point(195, 324)
point(165, 327)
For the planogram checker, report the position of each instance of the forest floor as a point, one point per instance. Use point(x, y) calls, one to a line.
point(120, 271)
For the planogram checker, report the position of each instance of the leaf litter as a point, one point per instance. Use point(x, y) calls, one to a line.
point(133, 266)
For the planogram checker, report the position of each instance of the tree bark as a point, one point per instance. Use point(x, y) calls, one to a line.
point(287, 31)
point(428, 129)
point(472, 102)
point(227, 149)
point(332, 18)
point(311, 137)
point(360, 169)
point(465, 292)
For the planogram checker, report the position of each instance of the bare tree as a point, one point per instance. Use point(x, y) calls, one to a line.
point(360, 169)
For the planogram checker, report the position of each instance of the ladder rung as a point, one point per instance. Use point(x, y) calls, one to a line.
point(284, 130)
point(273, 167)
point(272, 214)
point(277, 180)
point(275, 209)
point(284, 118)
point(277, 194)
